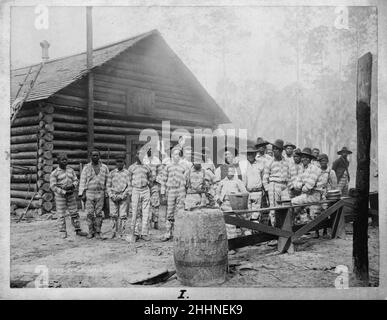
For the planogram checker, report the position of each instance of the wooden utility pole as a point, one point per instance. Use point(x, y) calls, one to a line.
point(90, 82)
point(360, 224)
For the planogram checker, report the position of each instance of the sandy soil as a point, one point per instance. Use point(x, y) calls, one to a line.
point(78, 262)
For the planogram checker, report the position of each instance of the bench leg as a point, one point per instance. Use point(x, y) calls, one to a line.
point(285, 244)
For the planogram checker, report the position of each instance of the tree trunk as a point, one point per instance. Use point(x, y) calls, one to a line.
point(360, 224)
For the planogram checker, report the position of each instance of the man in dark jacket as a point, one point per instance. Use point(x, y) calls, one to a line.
point(340, 166)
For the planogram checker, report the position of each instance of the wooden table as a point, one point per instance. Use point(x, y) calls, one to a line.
point(285, 232)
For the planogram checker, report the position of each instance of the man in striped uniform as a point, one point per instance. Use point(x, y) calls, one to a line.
point(288, 155)
point(63, 183)
point(92, 189)
point(155, 164)
point(140, 177)
point(316, 153)
point(307, 184)
point(296, 168)
point(173, 187)
point(118, 191)
point(276, 178)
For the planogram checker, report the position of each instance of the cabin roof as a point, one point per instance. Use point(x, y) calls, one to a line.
point(58, 73)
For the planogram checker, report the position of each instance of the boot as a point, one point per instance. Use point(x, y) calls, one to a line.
point(168, 234)
point(145, 238)
point(63, 235)
point(90, 224)
point(81, 233)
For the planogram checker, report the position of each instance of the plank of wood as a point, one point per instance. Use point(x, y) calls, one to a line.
point(240, 242)
point(338, 225)
point(257, 226)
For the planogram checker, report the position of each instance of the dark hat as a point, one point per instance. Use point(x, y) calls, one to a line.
point(251, 148)
point(278, 143)
point(121, 157)
point(260, 142)
point(230, 149)
point(344, 150)
point(307, 152)
point(322, 156)
point(289, 144)
point(297, 151)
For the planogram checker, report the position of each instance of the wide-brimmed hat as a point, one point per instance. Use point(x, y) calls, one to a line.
point(261, 142)
point(232, 149)
point(297, 151)
point(251, 148)
point(307, 152)
point(289, 144)
point(344, 150)
point(278, 143)
point(322, 156)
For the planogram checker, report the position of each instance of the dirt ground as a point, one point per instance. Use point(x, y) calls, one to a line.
point(78, 262)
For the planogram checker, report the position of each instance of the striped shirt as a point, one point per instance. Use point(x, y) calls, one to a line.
point(295, 171)
point(174, 177)
point(276, 171)
point(118, 182)
point(308, 179)
point(253, 176)
point(61, 178)
point(92, 182)
point(290, 159)
point(140, 176)
point(327, 180)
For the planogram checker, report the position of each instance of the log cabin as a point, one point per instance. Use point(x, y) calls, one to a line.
point(137, 83)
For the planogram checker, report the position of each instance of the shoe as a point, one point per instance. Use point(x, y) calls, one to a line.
point(131, 238)
point(90, 235)
point(272, 243)
point(98, 236)
point(145, 238)
point(63, 235)
point(156, 225)
point(166, 237)
point(81, 233)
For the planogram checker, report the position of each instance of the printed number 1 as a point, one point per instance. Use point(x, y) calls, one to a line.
point(342, 281)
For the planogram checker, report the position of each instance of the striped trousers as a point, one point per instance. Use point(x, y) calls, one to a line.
point(175, 202)
point(154, 202)
point(63, 203)
point(275, 192)
point(140, 218)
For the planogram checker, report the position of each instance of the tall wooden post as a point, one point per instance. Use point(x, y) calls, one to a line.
point(360, 225)
point(90, 83)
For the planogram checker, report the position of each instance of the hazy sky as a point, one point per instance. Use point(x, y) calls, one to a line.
point(237, 42)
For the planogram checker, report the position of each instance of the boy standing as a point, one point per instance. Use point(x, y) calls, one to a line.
point(118, 191)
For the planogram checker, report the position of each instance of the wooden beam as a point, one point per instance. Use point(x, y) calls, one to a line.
point(360, 224)
point(257, 226)
point(240, 242)
point(90, 83)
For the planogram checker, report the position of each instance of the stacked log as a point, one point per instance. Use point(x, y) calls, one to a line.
point(24, 150)
point(45, 163)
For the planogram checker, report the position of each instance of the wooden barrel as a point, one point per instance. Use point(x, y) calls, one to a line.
point(200, 247)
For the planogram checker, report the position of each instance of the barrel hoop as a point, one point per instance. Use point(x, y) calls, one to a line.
point(201, 263)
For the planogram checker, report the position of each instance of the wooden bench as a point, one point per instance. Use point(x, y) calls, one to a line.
point(286, 232)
